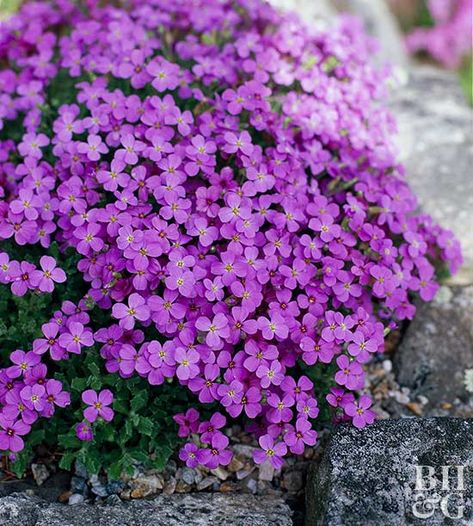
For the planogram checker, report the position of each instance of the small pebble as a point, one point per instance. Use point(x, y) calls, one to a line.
point(206, 483)
point(415, 408)
point(388, 365)
point(266, 471)
point(170, 487)
point(115, 487)
point(188, 475)
point(64, 497)
point(235, 465)
point(229, 487)
point(80, 470)
point(252, 485)
point(100, 490)
point(240, 475)
point(220, 473)
point(78, 484)
point(126, 494)
point(40, 473)
point(76, 498)
point(423, 399)
point(113, 500)
point(183, 487)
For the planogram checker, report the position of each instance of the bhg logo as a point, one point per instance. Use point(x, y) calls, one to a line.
point(439, 489)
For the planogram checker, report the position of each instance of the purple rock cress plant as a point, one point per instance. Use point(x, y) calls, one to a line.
point(228, 177)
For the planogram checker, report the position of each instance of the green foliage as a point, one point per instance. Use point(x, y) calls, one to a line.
point(8, 6)
point(142, 431)
point(466, 78)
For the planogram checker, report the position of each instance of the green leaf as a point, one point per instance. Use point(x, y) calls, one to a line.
point(91, 459)
point(146, 426)
point(162, 456)
point(120, 407)
point(115, 470)
point(95, 383)
point(141, 456)
point(94, 369)
point(139, 401)
point(68, 440)
point(79, 384)
point(66, 461)
point(36, 437)
point(22, 461)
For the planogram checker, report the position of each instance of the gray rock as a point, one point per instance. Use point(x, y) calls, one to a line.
point(436, 142)
point(380, 23)
point(76, 498)
point(368, 477)
point(437, 349)
point(178, 510)
point(309, 10)
point(40, 473)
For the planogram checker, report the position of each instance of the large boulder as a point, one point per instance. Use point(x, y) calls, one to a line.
point(372, 477)
point(379, 22)
point(176, 510)
point(436, 143)
point(437, 349)
point(309, 11)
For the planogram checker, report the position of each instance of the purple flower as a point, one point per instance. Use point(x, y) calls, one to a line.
point(98, 405)
point(217, 454)
point(235, 143)
point(186, 361)
point(301, 436)
point(131, 147)
point(75, 338)
point(276, 326)
point(361, 346)
point(137, 309)
point(349, 373)
point(21, 276)
point(270, 451)
point(49, 342)
point(360, 412)
point(11, 433)
point(55, 396)
point(188, 422)
point(33, 396)
point(188, 454)
point(165, 74)
point(93, 147)
point(89, 239)
point(23, 363)
point(216, 329)
point(44, 279)
point(270, 374)
point(339, 397)
point(207, 234)
point(32, 144)
point(27, 204)
point(281, 411)
point(209, 428)
point(230, 394)
point(84, 432)
point(183, 281)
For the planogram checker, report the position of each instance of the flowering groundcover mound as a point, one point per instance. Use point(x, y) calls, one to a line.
point(201, 219)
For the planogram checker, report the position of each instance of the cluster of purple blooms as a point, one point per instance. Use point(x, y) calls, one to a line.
point(450, 40)
point(24, 276)
point(229, 182)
